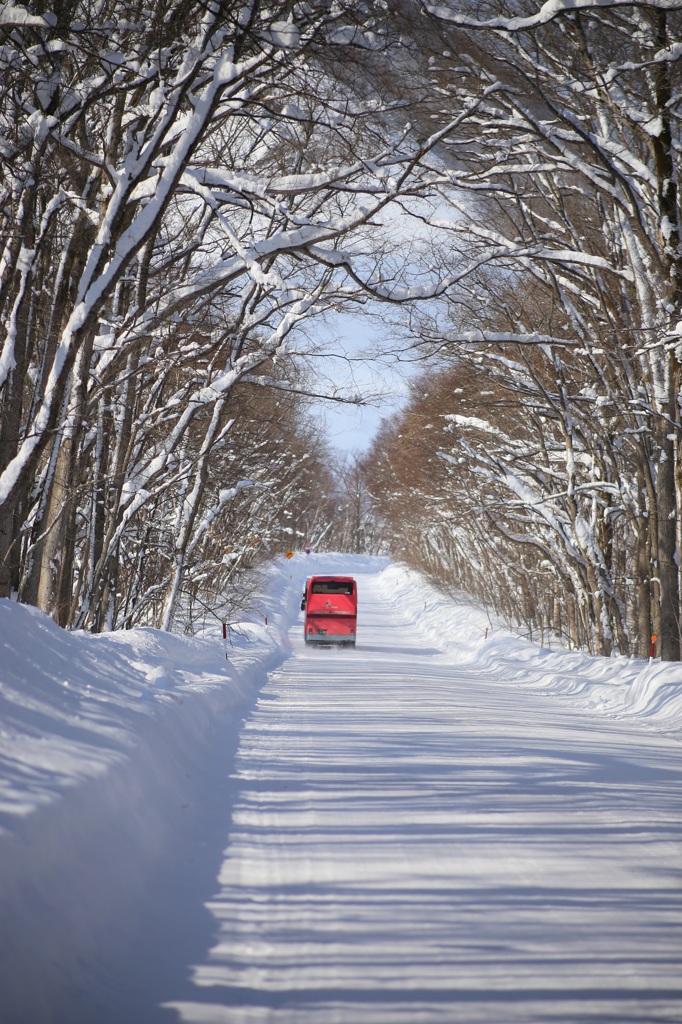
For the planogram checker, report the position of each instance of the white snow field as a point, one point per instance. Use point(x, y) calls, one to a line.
point(434, 827)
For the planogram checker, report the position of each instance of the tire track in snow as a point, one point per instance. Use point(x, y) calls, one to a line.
point(414, 842)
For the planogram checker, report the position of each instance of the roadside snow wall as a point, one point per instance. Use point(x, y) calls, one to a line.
point(109, 745)
point(620, 687)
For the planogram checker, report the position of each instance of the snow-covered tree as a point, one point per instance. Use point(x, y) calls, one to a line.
point(183, 186)
point(564, 188)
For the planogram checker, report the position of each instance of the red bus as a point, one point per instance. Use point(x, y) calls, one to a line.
point(331, 607)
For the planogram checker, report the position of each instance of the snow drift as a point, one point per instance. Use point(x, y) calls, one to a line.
point(649, 690)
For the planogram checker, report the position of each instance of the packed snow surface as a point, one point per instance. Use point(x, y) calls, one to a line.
point(447, 824)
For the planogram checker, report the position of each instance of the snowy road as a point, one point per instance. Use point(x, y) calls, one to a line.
point(414, 842)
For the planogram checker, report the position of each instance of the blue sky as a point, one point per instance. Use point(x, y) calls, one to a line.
point(353, 370)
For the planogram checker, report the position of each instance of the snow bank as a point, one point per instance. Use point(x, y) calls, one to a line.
point(615, 686)
point(75, 705)
point(103, 746)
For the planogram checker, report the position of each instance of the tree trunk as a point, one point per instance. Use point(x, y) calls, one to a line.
point(668, 419)
point(643, 623)
point(668, 571)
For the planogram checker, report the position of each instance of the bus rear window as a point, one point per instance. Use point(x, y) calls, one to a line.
point(331, 587)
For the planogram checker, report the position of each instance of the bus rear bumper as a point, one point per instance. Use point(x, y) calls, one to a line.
point(320, 639)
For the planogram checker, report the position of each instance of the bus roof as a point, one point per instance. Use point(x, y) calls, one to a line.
point(345, 579)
